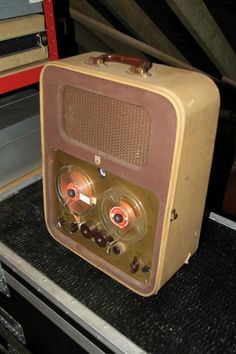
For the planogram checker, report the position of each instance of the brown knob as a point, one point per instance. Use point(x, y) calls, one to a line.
point(88, 229)
point(119, 248)
point(73, 227)
point(134, 265)
point(61, 221)
point(102, 239)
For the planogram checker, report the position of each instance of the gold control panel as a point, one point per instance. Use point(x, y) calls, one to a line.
point(106, 214)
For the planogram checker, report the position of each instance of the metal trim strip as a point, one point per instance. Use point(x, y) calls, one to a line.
point(222, 220)
point(53, 316)
point(18, 187)
point(99, 328)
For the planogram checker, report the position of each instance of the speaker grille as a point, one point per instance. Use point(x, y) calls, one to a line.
point(120, 129)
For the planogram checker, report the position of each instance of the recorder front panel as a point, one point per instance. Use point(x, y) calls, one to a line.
point(105, 214)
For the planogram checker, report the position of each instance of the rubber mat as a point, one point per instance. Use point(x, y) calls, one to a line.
point(195, 312)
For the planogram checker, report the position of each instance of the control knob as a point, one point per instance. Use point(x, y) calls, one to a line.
point(102, 239)
point(119, 248)
point(88, 229)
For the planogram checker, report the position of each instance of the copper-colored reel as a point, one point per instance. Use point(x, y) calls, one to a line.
point(122, 214)
point(125, 214)
point(75, 190)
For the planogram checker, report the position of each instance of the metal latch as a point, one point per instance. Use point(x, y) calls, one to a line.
point(3, 283)
point(12, 325)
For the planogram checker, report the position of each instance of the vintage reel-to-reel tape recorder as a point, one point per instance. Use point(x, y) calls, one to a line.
point(127, 149)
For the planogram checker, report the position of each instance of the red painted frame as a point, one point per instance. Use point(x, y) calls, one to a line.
point(31, 76)
point(50, 26)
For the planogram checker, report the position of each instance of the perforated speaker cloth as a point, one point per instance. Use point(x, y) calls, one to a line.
point(195, 312)
point(120, 129)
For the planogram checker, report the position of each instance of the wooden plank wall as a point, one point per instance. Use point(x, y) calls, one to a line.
point(143, 36)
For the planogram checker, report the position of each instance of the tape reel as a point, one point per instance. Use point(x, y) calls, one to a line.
point(75, 190)
point(122, 215)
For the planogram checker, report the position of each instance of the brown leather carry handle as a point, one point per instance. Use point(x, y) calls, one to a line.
point(138, 65)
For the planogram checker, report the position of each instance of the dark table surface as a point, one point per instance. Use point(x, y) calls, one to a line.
point(195, 312)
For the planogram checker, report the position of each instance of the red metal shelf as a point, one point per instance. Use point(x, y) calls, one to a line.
point(31, 75)
point(50, 27)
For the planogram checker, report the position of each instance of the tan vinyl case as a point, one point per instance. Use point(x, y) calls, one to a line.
point(127, 154)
